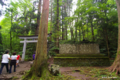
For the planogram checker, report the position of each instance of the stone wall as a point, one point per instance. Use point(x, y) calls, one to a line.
point(72, 62)
point(89, 48)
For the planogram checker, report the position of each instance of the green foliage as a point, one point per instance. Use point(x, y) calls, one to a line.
point(18, 25)
point(53, 51)
point(103, 15)
point(54, 48)
point(21, 19)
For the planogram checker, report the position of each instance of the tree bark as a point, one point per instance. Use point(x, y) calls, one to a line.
point(116, 64)
point(66, 23)
point(107, 45)
point(0, 36)
point(63, 33)
point(57, 25)
point(63, 30)
point(79, 34)
point(76, 31)
point(11, 32)
point(63, 22)
point(87, 32)
point(92, 31)
point(51, 22)
point(39, 68)
point(72, 36)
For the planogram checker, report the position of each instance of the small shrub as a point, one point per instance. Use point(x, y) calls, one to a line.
point(53, 51)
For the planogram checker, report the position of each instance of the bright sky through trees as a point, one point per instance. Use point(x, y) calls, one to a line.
point(3, 8)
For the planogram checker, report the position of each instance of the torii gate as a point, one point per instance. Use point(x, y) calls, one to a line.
point(33, 39)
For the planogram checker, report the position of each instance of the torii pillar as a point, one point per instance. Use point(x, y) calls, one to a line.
point(25, 43)
point(33, 39)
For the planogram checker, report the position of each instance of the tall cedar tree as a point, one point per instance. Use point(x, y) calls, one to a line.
point(40, 67)
point(116, 63)
point(57, 25)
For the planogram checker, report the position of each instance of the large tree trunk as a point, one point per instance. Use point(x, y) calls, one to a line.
point(116, 64)
point(0, 36)
point(87, 32)
point(1, 46)
point(11, 32)
point(76, 31)
point(92, 31)
point(51, 22)
point(63, 33)
point(72, 36)
point(63, 29)
point(57, 25)
point(107, 45)
point(79, 34)
point(40, 68)
point(66, 24)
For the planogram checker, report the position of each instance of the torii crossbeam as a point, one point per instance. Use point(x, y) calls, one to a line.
point(29, 39)
point(33, 39)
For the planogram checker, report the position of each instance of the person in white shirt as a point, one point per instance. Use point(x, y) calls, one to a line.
point(5, 60)
point(13, 62)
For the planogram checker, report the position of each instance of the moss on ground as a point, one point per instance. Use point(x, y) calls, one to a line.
point(50, 77)
point(94, 73)
point(99, 73)
point(81, 55)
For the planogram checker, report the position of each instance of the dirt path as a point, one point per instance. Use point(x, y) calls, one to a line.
point(72, 71)
point(23, 66)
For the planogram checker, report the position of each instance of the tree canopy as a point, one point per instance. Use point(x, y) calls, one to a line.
point(93, 21)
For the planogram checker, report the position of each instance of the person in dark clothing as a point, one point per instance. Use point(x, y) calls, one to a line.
point(13, 62)
point(5, 60)
point(33, 56)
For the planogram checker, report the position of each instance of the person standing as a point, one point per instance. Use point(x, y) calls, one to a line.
point(13, 62)
point(5, 60)
point(18, 57)
point(33, 56)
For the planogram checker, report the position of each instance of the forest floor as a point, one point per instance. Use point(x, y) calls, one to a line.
point(20, 71)
point(79, 73)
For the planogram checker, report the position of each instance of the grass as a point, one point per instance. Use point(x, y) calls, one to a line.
point(101, 73)
point(61, 77)
point(14, 78)
point(94, 73)
point(51, 77)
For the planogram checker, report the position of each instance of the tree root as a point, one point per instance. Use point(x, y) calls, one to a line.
point(115, 66)
point(42, 73)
